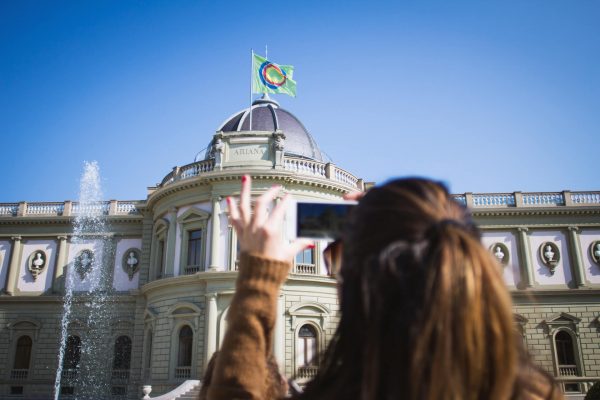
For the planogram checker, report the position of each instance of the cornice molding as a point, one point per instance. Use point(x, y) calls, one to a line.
point(288, 178)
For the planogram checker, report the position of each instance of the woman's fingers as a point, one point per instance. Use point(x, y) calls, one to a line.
point(234, 214)
point(245, 209)
point(276, 216)
point(260, 207)
point(354, 196)
point(298, 245)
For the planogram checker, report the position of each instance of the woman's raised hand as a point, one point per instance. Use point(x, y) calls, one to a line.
point(261, 233)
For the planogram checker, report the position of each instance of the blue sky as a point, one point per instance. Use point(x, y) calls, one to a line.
point(489, 96)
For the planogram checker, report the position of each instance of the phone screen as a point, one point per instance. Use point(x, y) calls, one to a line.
point(322, 220)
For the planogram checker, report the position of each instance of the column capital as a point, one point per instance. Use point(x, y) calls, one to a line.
point(216, 197)
point(62, 237)
point(211, 296)
point(523, 229)
point(573, 228)
point(173, 210)
point(16, 238)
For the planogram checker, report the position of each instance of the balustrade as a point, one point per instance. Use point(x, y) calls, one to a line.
point(127, 207)
point(460, 198)
point(44, 208)
point(543, 199)
point(120, 374)
point(567, 370)
point(101, 207)
point(585, 197)
point(307, 372)
point(9, 209)
point(19, 374)
point(305, 269)
point(191, 269)
point(183, 372)
point(345, 177)
point(493, 200)
point(304, 167)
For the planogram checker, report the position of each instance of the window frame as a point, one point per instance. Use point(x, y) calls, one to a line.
point(192, 220)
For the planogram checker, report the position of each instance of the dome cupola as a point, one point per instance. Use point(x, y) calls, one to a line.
point(268, 116)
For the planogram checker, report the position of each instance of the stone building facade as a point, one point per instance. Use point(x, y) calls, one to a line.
point(173, 260)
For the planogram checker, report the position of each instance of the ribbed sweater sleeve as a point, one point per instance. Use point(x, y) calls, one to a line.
point(241, 369)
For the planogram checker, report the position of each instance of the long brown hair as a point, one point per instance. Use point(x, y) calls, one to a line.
point(424, 311)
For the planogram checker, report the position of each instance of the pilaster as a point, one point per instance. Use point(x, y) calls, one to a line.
point(525, 258)
point(279, 343)
point(15, 263)
point(215, 232)
point(576, 258)
point(211, 326)
point(58, 284)
point(171, 242)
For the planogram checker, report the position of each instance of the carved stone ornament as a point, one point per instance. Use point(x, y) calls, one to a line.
point(131, 261)
point(550, 255)
point(500, 253)
point(595, 252)
point(84, 263)
point(36, 263)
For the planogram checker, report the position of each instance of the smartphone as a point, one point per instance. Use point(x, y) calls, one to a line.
point(322, 220)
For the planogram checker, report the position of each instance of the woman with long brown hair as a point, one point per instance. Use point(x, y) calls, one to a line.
point(424, 311)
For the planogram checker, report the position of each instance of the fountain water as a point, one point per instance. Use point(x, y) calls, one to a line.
point(83, 369)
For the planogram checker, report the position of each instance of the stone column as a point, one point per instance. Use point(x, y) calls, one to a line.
point(279, 343)
point(215, 232)
point(58, 284)
point(211, 326)
point(576, 258)
point(15, 264)
point(525, 256)
point(171, 242)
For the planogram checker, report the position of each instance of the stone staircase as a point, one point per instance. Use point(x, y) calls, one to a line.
point(188, 390)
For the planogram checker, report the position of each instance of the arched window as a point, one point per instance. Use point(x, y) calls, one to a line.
point(23, 353)
point(72, 353)
point(186, 337)
point(122, 356)
point(565, 353)
point(306, 346)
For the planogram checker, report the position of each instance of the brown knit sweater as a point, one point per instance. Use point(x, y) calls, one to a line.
point(241, 369)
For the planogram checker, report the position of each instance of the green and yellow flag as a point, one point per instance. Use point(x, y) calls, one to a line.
point(272, 78)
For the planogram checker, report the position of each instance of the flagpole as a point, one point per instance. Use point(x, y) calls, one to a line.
point(251, 77)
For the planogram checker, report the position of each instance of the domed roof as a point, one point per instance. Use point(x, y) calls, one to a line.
point(268, 116)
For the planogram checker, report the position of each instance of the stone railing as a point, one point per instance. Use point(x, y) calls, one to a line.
point(307, 372)
point(188, 171)
point(69, 208)
point(9, 209)
point(119, 374)
point(567, 370)
point(191, 269)
point(188, 389)
point(19, 374)
point(305, 269)
point(183, 372)
point(526, 199)
point(297, 165)
point(305, 167)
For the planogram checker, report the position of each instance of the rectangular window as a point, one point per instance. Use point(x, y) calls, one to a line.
point(305, 257)
point(194, 248)
point(161, 257)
